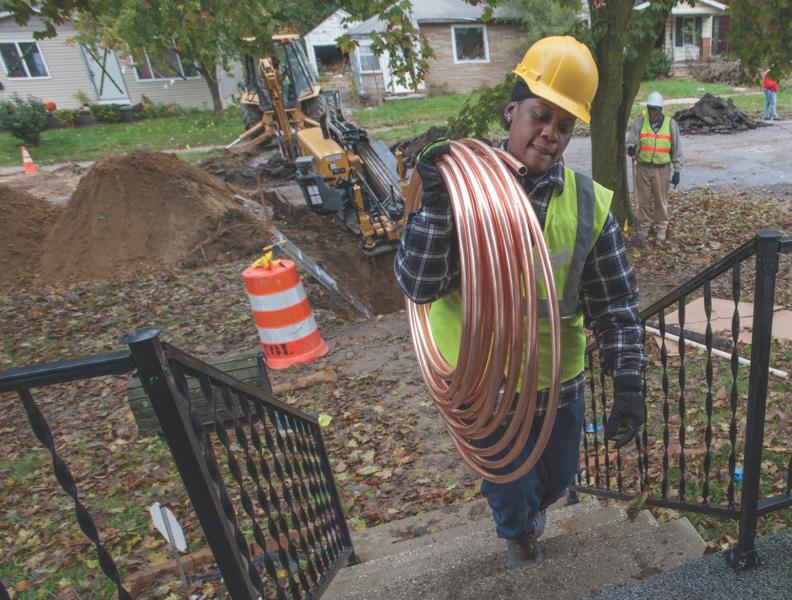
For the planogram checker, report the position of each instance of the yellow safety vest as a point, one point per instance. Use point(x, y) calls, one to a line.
point(574, 222)
point(655, 148)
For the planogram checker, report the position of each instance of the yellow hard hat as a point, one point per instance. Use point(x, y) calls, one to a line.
point(562, 71)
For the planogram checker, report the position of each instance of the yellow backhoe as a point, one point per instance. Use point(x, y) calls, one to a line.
point(338, 168)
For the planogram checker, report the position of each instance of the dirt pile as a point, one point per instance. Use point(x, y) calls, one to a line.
point(146, 211)
point(714, 115)
point(24, 223)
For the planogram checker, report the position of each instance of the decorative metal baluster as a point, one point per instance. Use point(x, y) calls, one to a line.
point(313, 467)
point(217, 476)
point(645, 437)
point(734, 394)
point(619, 485)
point(299, 516)
point(281, 469)
point(595, 419)
point(306, 504)
point(605, 420)
point(330, 502)
point(666, 403)
point(708, 432)
point(276, 523)
point(233, 466)
point(261, 496)
point(62, 473)
point(682, 416)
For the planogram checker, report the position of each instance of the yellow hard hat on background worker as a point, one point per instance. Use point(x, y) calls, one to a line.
point(561, 70)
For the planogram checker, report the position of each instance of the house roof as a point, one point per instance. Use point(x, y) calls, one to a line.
point(711, 3)
point(339, 13)
point(437, 11)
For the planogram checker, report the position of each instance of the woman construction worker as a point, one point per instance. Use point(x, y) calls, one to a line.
point(556, 83)
point(653, 141)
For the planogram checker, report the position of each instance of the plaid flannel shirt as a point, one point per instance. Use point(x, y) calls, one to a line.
point(427, 268)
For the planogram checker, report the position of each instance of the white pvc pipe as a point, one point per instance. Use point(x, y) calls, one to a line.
point(721, 353)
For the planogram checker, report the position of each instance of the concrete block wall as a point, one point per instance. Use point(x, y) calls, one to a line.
point(506, 48)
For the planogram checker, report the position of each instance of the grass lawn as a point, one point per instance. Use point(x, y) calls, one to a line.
point(390, 122)
point(88, 143)
point(681, 88)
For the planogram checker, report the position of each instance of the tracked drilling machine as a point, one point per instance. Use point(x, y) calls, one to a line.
point(339, 170)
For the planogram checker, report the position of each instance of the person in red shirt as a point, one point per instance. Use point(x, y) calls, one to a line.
point(770, 87)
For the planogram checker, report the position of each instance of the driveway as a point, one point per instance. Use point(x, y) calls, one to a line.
point(754, 159)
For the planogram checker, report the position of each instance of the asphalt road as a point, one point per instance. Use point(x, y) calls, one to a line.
point(758, 158)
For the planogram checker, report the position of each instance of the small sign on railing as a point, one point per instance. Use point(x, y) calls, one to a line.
point(166, 523)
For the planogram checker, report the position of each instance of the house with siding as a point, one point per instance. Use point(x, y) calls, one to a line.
point(694, 32)
point(59, 69)
point(321, 46)
point(468, 52)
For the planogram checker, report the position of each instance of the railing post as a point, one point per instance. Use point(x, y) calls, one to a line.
point(150, 362)
point(743, 556)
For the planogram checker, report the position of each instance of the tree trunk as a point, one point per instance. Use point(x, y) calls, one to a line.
point(620, 78)
point(210, 77)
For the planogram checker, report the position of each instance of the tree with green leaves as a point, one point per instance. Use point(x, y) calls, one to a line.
point(621, 39)
point(760, 34)
point(206, 34)
point(51, 12)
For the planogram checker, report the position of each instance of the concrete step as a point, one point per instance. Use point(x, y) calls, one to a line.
point(588, 547)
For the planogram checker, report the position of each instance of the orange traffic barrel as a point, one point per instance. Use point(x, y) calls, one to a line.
point(286, 326)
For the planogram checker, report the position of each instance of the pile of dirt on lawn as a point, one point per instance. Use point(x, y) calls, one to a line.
point(714, 115)
point(146, 211)
point(24, 223)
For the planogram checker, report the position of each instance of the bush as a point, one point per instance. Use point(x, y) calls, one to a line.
point(151, 110)
point(65, 115)
point(106, 113)
point(718, 70)
point(478, 115)
point(659, 65)
point(25, 119)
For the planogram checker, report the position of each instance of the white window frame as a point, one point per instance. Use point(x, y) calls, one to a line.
point(24, 64)
point(160, 79)
point(479, 61)
point(360, 62)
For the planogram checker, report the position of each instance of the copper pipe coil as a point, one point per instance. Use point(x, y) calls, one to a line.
point(502, 257)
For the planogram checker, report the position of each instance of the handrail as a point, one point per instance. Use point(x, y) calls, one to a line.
point(113, 363)
point(712, 271)
point(198, 366)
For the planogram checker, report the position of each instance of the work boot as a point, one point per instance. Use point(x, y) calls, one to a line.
point(638, 240)
point(661, 236)
point(524, 552)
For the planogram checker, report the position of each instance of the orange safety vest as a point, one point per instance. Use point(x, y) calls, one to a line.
point(655, 148)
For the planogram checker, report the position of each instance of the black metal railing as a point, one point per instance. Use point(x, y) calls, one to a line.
point(704, 417)
point(290, 504)
point(260, 482)
point(22, 381)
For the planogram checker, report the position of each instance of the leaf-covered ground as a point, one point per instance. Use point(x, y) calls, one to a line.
point(389, 453)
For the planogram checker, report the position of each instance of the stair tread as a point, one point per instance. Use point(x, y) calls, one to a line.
point(472, 562)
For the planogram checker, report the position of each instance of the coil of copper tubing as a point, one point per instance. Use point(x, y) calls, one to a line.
point(503, 258)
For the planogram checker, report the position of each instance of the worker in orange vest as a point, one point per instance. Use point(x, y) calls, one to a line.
point(653, 141)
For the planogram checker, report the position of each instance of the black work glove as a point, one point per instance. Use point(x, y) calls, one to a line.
point(434, 190)
point(631, 151)
point(627, 414)
point(675, 179)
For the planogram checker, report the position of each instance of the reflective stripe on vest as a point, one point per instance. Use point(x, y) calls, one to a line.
point(574, 221)
point(655, 148)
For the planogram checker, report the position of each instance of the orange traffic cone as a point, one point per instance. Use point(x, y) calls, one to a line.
point(27, 162)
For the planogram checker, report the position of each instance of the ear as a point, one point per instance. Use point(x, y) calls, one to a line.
point(508, 112)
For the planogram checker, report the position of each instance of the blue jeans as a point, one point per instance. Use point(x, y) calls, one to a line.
point(515, 504)
point(770, 105)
